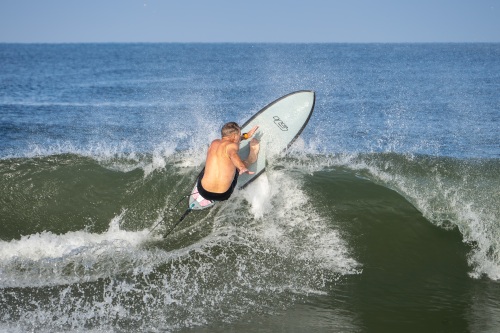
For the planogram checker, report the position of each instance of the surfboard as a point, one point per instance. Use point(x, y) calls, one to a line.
point(280, 124)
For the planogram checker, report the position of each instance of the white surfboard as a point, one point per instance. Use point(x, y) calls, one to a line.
point(280, 123)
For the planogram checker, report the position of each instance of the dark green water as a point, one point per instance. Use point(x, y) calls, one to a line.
point(336, 249)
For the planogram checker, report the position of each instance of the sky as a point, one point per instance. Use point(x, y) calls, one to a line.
point(269, 21)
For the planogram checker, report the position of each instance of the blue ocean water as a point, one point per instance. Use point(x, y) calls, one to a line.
point(383, 216)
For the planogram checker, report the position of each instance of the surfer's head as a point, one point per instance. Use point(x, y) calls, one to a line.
point(230, 128)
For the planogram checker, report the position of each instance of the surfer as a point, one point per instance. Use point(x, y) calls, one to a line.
point(223, 165)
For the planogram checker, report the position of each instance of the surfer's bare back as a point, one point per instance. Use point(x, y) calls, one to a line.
point(223, 164)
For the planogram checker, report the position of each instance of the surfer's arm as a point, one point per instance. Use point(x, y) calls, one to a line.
point(232, 152)
point(254, 152)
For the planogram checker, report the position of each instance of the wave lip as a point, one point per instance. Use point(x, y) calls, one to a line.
point(449, 192)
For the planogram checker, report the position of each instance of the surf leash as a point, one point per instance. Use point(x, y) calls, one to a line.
point(186, 213)
point(161, 221)
point(177, 204)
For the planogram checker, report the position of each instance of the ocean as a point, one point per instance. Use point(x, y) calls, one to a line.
point(384, 216)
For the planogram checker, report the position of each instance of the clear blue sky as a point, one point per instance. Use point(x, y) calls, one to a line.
point(62, 21)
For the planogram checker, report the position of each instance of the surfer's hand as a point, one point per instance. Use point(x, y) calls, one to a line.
point(245, 170)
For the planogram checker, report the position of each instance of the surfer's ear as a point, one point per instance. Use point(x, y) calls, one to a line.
point(235, 137)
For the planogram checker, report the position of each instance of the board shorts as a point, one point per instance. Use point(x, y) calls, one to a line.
point(216, 196)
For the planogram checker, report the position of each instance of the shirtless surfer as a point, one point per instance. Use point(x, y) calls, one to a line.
point(223, 166)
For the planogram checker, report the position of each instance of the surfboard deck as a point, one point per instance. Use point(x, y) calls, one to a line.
point(280, 124)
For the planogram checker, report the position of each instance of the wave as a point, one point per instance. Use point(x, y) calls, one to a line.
point(449, 192)
point(63, 193)
point(77, 246)
point(75, 225)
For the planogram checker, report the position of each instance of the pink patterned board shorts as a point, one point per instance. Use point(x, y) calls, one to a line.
point(201, 200)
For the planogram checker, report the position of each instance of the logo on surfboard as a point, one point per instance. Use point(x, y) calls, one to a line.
point(280, 123)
